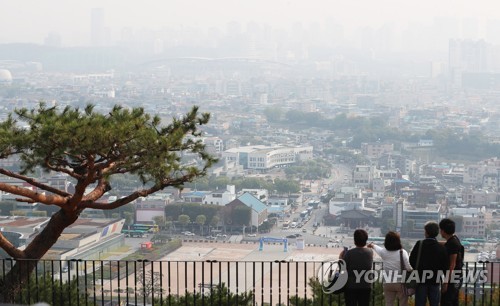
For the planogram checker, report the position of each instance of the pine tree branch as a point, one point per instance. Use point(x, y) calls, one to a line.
point(101, 188)
point(120, 202)
point(33, 195)
point(34, 183)
point(10, 249)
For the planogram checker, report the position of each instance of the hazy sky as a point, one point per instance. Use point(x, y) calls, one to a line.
point(32, 20)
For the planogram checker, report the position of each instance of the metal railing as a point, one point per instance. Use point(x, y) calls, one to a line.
point(111, 282)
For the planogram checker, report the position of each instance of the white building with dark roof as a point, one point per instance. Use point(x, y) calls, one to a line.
point(263, 157)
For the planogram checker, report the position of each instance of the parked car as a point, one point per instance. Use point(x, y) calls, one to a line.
point(189, 233)
point(252, 235)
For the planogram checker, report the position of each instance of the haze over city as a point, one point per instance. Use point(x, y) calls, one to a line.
point(31, 21)
point(230, 150)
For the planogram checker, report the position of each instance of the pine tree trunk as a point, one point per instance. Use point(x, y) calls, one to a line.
point(17, 277)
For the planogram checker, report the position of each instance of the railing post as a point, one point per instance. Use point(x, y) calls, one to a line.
point(485, 292)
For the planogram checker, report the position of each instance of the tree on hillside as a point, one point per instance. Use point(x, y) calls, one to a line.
point(160, 221)
point(214, 221)
point(286, 186)
point(200, 220)
point(184, 220)
point(91, 148)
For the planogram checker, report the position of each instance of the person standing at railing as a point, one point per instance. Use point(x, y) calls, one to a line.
point(391, 255)
point(430, 256)
point(360, 259)
point(455, 250)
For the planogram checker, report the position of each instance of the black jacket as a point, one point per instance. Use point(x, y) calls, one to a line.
point(433, 258)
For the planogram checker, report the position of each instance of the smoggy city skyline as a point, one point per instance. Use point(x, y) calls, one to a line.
point(33, 21)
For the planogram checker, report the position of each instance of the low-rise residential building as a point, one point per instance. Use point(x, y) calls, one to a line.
point(362, 175)
point(474, 174)
point(376, 149)
point(194, 196)
point(472, 221)
point(479, 197)
point(378, 188)
point(263, 157)
point(214, 145)
point(221, 198)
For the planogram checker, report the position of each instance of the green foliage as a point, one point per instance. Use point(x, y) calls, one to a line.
point(130, 139)
point(124, 182)
point(217, 295)
point(193, 210)
point(210, 183)
point(447, 142)
point(184, 220)
point(214, 221)
point(159, 250)
point(266, 226)
point(129, 218)
point(160, 221)
point(286, 186)
point(273, 114)
point(51, 291)
point(201, 220)
point(310, 170)
point(220, 183)
point(92, 148)
point(252, 183)
point(319, 298)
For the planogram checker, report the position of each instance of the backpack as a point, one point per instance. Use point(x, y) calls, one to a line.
point(460, 255)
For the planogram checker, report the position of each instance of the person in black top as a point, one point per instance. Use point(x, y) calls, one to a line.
point(357, 291)
point(433, 259)
point(455, 250)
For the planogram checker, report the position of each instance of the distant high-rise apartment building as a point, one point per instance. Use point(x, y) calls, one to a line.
point(97, 27)
point(468, 56)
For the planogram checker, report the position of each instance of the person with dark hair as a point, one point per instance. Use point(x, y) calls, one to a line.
point(391, 255)
point(360, 259)
point(430, 256)
point(455, 251)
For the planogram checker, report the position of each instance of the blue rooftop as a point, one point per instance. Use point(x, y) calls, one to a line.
point(195, 194)
point(252, 202)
